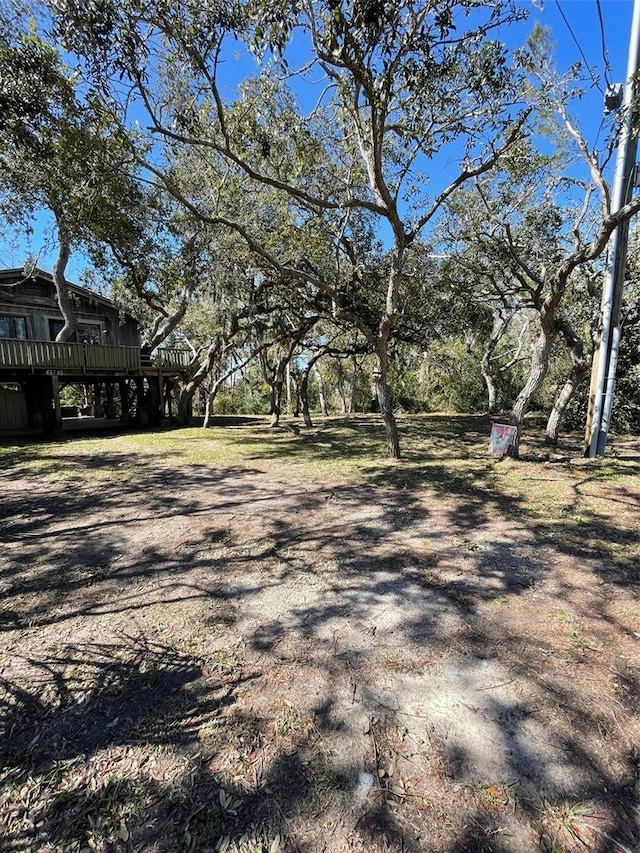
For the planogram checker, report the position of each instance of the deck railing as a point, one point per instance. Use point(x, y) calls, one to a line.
point(81, 357)
point(67, 356)
point(172, 358)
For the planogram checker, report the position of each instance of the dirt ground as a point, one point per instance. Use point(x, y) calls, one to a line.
point(241, 656)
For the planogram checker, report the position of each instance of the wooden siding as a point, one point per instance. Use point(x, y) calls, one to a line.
point(36, 301)
point(13, 409)
point(54, 356)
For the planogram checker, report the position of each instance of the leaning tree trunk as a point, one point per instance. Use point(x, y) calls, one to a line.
point(223, 377)
point(561, 402)
point(304, 396)
point(217, 349)
point(211, 396)
point(165, 324)
point(579, 369)
point(304, 389)
point(321, 395)
point(62, 289)
point(492, 392)
point(189, 390)
point(276, 385)
point(540, 353)
point(499, 326)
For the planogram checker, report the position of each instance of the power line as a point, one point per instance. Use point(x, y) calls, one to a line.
point(595, 144)
point(605, 52)
point(596, 82)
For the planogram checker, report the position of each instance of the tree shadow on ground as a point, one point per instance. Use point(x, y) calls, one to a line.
point(390, 565)
point(118, 747)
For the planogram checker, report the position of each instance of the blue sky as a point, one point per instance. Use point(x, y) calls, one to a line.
point(579, 34)
point(582, 17)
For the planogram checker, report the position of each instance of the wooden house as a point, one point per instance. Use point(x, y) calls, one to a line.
point(104, 358)
point(29, 311)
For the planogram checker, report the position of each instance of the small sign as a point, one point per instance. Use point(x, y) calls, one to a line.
point(503, 436)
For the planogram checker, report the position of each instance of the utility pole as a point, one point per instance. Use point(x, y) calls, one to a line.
point(605, 360)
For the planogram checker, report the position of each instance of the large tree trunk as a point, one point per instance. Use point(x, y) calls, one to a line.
point(579, 369)
point(354, 385)
point(382, 349)
point(384, 401)
point(540, 353)
point(304, 397)
point(70, 327)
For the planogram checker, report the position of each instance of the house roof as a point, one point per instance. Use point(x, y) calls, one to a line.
point(14, 277)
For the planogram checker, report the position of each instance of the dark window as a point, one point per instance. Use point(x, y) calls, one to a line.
point(13, 327)
point(54, 328)
point(88, 334)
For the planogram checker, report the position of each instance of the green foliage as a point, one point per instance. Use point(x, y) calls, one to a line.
point(626, 408)
point(227, 403)
point(452, 378)
point(406, 379)
point(71, 395)
point(249, 395)
point(347, 383)
point(59, 148)
point(36, 92)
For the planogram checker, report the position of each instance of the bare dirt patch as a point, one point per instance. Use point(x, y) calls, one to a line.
point(253, 657)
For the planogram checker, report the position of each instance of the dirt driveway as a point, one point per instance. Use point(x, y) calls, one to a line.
point(241, 656)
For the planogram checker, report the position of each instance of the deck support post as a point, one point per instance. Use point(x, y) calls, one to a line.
point(125, 410)
point(57, 410)
point(110, 407)
point(142, 415)
point(154, 400)
point(166, 406)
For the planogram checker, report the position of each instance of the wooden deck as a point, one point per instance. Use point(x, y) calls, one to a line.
point(172, 359)
point(84, 358)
